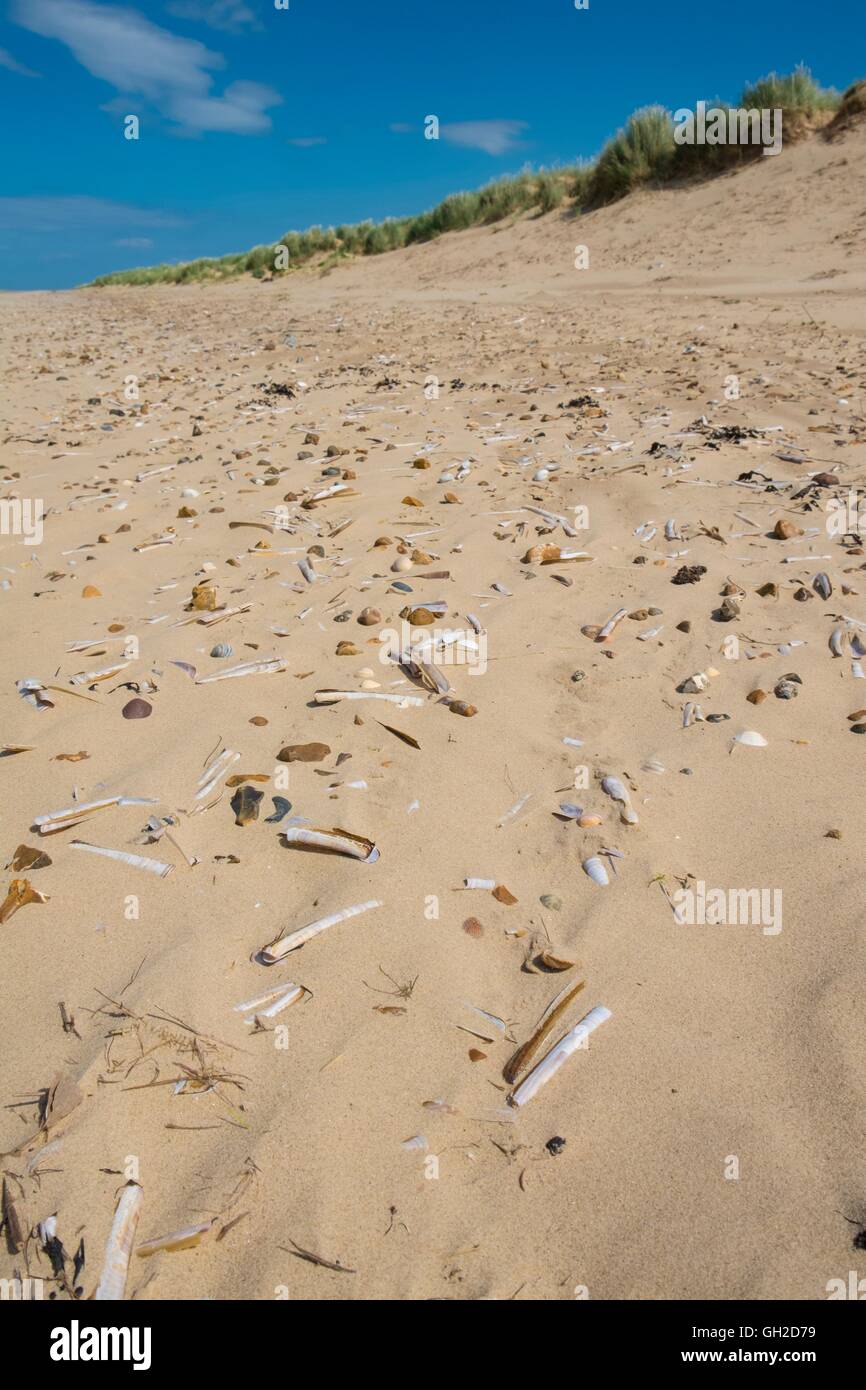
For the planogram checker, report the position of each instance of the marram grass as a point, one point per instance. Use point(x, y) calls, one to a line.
point(643, 152)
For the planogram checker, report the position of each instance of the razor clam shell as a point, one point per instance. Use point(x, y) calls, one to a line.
point(837, 641)
point(595, 870)
point(135, 861)
point(275, 950)
point(118, 1247)
point(268, 666)
point(514, 811)
point(488, 883)
point(103, 674)
point(212, 774)
point(332, 697)
point(550, 1064)
point(55, 820)
point(288, 991)
point(178, 1240)
point(341, 841)
point(612, 623)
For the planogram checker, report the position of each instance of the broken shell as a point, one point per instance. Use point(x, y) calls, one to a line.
point(245, 804)
point(821, 584)
point(554, 960)
point(336, 840)
point(21, 892)
point(751, 738)
point(617, 791)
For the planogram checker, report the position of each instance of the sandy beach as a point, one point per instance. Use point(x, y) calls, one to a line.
point(464, 398)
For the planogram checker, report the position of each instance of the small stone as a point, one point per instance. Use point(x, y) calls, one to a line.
point(684, 626)
point(756, 697)
point(578, 676)
point(786, 530)
point(348, 649)
point(833, 835)
point(369, 617)
point(555, 1145)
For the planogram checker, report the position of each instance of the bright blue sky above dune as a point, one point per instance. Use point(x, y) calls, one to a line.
point(255, 120)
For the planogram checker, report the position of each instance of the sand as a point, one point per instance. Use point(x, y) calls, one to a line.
point(714, 1125)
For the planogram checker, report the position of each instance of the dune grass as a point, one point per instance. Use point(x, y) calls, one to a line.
point(643, 153)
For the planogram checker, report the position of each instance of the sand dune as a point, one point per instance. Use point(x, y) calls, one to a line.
point(730, 1049)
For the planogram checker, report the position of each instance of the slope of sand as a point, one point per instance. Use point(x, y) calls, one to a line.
point(725, 1042)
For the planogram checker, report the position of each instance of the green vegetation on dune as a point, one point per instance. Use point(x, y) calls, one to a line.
point(644, 152)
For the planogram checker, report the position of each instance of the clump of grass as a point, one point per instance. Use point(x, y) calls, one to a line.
point(796, 92)
point(643, 152)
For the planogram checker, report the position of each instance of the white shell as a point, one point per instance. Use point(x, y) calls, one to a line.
point(118, 1247)
point(550, 1064)
point(281, 947)
point(751, 738)
point(595, 870)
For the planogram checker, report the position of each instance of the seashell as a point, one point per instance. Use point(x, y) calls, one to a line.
point(275, 999)
point(268, 666)
point(692, 685)
point(785, 689)
point(612, 623)
point(222, 649)
point(589, 819)
point(135, 861)
point(186, 1239)
point(417, 1144)
point(554, 960)
point(282, 807)
point(283, 945)
point(550, 1064)
point(137, 709)
point(203, 599)
point(303, 753)
point(837, 641)
point(21, 892)
point(751, 738)
point(729, 610)
point(653, 765)
point(369, 617)
point(347, 649)
point(401, 564)
point(118, 1247)
point(461, 707)
point(541, 475)
point(339, 841)
point(488, 883)
point(245, 804)
point(821, 584)
point(551, 902)
point(618, 792)
point(595, 870)
point(26, 857)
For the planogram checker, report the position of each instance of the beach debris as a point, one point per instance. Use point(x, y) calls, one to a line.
point(245, 804)
point(617, 791)
point(751, 738)
point(134, 861)
point(137, 709)
point(72, 815)
point(552, 555)
point(595, 870)
point(282, 945)
point(504, 896)
point(272, 1002)
point(514, 811)
point(334, 841)
point(222, 649)
point(520, 1059)
point(27, 857)
point(20, 893)
point(549, 1065)
point(399, 733)
point(304, 753)
point(282, 807)
point(333, 697)
point(185, 1239)
point(118, 1248)
point(786, 530)
point(555, 960)
point(269, 666)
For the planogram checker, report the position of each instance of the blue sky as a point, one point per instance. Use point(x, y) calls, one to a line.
point(255, 120)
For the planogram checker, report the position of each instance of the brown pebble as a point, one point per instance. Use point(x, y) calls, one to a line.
point(684, 626)
point(348, 649)
point(91, 591)
point(303, 753)
point(369, 617)
point(755, 697)
point(786, 530)
point(259, 721)
point(833, 835)
point(476, 1055)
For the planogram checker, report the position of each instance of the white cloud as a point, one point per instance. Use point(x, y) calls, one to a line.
point(7, 61)
point(138, 242)
point(494, 137)
point(229, 15)
point(306, 142)
point(140, 59)
point(78, 213)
